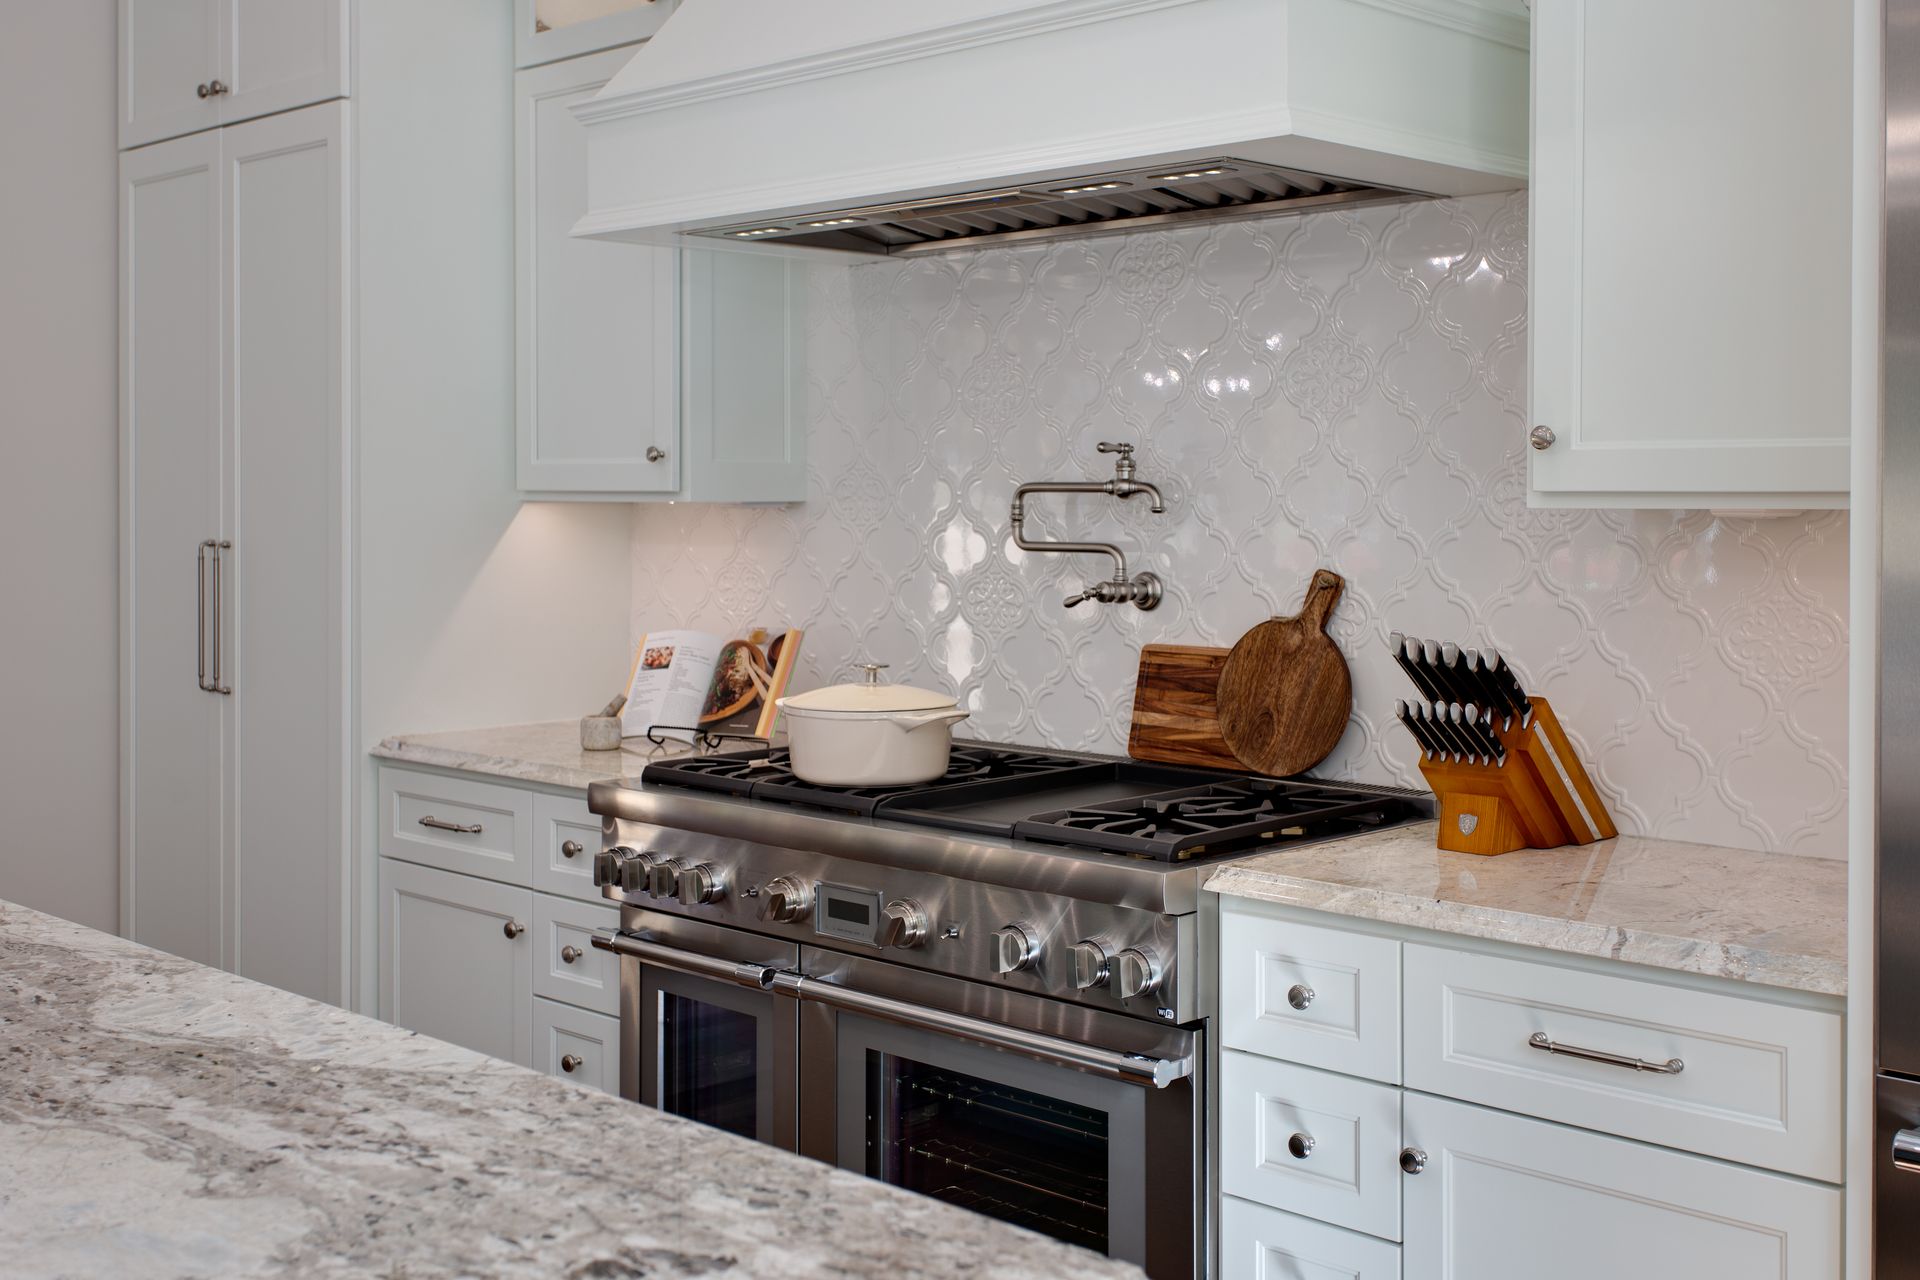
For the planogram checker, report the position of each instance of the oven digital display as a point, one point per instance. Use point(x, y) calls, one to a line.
point(847, 913)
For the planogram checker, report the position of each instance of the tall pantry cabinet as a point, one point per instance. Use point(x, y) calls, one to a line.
point(235, 506)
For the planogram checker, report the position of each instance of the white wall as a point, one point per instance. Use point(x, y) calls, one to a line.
point(59, 465)
point(473, 610)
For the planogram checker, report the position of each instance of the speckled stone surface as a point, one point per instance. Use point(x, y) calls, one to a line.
point(549, 752)
point(1767, 918)
point(161, 1119)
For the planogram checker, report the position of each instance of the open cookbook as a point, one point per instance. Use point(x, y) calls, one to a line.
point(691, 682)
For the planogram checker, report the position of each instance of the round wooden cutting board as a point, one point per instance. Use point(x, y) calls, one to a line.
point(1285, 693)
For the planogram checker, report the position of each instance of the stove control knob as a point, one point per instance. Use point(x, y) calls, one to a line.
point(699, 885)
point(622, 867)
point(1136, 971)
point(662, 878)
point(1014, 949)
point(1090, 967)
point(784, 900)
point(606, 867)
point(902, 924)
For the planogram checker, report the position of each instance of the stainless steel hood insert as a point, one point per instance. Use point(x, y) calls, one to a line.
point(1138, 200)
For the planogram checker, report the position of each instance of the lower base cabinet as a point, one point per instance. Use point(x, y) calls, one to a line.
point(455, 959)
point(576, 1045)
point(1503, 1197)
point(1260, 1243)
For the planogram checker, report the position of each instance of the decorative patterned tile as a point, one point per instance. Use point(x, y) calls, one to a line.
point(1343, 389)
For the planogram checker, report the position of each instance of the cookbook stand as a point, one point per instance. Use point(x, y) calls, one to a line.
point(1538, 796)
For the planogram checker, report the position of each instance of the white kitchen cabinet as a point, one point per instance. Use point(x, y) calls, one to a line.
point(566, 835)
point(187, 65)
point(454, 959)
point(1507, 1198)
point(576, 1045)
point(548, 30)
point(234, 459)
point(1687, 301)
point(475, 827)
point(1258, 1242)
point(642, 372)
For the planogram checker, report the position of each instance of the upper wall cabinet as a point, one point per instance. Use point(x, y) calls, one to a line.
point(1689, 254)
point(549, 30)
point(187, 65)
point(642, 373)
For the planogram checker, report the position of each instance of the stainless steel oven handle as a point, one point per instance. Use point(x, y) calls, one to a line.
point(1131, 1067)
point(757, 976)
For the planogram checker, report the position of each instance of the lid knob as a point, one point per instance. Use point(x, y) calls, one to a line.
point(873, 670)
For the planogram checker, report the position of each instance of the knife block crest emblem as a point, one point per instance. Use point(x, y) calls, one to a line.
point(1505, 772)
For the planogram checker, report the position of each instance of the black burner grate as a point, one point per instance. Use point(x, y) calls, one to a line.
point(1221, 817)
point(767, 775)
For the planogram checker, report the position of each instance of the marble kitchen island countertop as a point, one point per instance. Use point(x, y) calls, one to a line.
point(1769, 918)
point(162, 1119)
point(548, 752)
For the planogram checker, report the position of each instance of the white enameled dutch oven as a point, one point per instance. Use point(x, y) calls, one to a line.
point(869, 734)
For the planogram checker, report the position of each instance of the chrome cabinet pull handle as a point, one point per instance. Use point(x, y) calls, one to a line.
point(570, 849)
point(1906, 1150)
point(219, 684)
point(571, 1063)
point(465, 829)
point(200, 614)
point(1545, 1043)
point(513, 929)
point(1300, 1146)
point(1412, 1160)
point(1300, 995)
point(570, 953)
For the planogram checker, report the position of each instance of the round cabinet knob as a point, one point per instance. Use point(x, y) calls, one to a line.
point(1541, 437)
point(902, 924)
point(1090, 967)
point(1014, 949)
point(1299, 995)
point(699, 885)
point(663, 878)
point(1300, 1146)
point(1412, 1160)
point(784, 900)
point(513, 929)
point(1135, 972)
point(571, 1063)
point(656, 454)
point(571, 848)
point(570, 953)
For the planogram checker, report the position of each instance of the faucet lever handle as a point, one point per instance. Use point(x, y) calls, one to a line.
point(1124, 450)
point(1082, 598)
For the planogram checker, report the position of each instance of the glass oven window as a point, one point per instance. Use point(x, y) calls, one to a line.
point(709, 1068)
point(1009, 1153)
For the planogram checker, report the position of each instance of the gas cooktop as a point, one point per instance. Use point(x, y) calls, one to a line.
point(1122, 807)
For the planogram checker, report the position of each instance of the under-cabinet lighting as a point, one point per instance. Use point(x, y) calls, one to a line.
point(1089, 187)
point(834, 222)
point(758, 231)
point(1187, 176)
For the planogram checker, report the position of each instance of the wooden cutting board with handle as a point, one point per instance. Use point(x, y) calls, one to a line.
point(1285, 693)
point(1176, 719)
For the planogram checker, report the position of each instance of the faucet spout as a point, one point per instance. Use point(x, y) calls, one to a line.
point(1144, 589)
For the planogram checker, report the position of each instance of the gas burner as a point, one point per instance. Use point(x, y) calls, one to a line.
point(1224, 817)
point(768, 775)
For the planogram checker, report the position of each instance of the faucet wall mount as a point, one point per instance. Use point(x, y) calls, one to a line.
point(1143, 590)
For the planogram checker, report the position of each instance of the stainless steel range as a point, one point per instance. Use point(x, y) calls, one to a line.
point(986, 988)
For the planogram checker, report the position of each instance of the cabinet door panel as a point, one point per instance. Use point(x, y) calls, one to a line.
point(170, 475)
point(743, 413)
point(597, 363)
point(1688, 311)
point(566, 835)
point(1347, 986)
point(286, 575)
point(168, 49)
point(281, 54)
point(448, 968)
point(576, 1045)
point(563, 929)
point(1506, 1198)
point(1259, 1243)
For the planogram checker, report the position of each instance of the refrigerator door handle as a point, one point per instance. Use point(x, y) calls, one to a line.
point(1906, 1150)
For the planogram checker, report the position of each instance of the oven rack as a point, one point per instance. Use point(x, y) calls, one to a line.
point(1022, 1215)
point(1072, 1121)
point(1079, 1190)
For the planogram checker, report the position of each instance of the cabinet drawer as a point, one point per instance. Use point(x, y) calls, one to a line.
point(476, 828)
point(1323, 997)
point(1758, 1082)
point(565, 838)
point(1259, 1243)
point(563, 928)
point(576, 1045)
point(1506, 1198)
point(1345, 1167)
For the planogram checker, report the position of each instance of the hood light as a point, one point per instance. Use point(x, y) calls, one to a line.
point(833, 222)
point(1089, 187)
point(757, 231)
point(1187, 176)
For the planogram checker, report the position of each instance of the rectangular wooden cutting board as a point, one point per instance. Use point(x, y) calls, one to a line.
point(1176, 719)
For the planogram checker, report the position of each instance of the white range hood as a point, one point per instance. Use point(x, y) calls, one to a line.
point(909, 126)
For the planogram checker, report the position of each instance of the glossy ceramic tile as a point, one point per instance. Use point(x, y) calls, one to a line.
point(1343, 389)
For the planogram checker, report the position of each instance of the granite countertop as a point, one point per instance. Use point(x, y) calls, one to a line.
point(1769, 918)
point(548, 752)
point(163, 1119)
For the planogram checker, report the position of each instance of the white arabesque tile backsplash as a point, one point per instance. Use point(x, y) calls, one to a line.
point(1345, 389)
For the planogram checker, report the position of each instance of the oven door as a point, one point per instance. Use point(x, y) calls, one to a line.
point(1076, 1123)
point(702, 1035)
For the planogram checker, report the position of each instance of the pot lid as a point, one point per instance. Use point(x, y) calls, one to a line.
point(869, 694)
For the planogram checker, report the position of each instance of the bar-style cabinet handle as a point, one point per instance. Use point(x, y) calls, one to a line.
point(437, 824)
point(200, 615)
point(1546, 1044)
point(219, 610)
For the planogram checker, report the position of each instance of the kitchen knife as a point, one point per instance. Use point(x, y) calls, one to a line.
point(1399, 644)
point(1476, 741)
point(1450, 733)
point(1507, 681)
point(1423, 717)
point(1427, 654)
point(1480, 724)
point(1443, 676)
point(1456, 675)
point(1404, 714)
point(1491, 701)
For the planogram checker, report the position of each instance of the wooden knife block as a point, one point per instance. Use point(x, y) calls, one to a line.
point(1540, 797)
